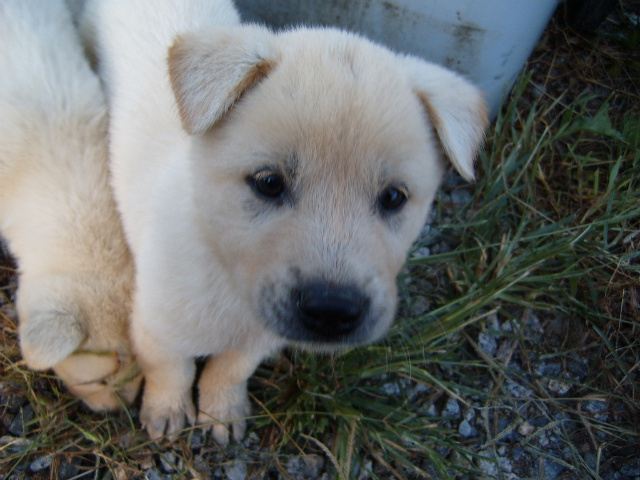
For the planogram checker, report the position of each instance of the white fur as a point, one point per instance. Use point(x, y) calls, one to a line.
point(56, 209)
point(215, 262)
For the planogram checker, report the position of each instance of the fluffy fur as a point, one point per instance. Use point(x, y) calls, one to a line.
point(57, 213)
point(270, 186)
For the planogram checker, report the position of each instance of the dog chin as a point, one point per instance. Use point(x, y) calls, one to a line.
point(319, 346)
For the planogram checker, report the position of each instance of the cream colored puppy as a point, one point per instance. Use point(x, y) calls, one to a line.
point(270, 186)
point(56, 208)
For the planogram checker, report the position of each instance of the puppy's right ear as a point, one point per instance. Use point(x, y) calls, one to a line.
point(209, 71)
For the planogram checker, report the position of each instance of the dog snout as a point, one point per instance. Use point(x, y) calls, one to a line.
point(331, 310)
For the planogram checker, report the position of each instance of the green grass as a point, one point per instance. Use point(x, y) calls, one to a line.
point(551, 233)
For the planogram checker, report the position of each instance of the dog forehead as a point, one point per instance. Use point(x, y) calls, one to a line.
point(341, 101)
point(335, 71)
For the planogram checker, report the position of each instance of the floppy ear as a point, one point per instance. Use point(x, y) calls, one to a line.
point(209, 71)
point(456, 108)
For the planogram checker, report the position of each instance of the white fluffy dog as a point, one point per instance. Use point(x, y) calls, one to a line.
point(56, 208)
point(270, 186)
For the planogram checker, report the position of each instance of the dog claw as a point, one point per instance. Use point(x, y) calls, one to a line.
point(155, 430)
point(168, 421)
point(221, 432)
point(225, 422)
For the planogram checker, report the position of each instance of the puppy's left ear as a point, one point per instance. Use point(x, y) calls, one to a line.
point(209, 71)
point(455, 107)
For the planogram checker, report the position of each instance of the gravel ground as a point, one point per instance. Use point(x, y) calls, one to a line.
point(518, 437)
point(544, 429)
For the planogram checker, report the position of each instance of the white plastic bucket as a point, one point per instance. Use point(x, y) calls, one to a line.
point(488, 41)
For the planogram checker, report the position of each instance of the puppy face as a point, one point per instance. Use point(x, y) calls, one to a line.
point(311, 188)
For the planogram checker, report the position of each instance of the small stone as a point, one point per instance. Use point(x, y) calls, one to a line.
point(392, 389)
point(505, 350)
point(40, 463)
point(517, 453)
point(15, 444)
point(469, 414)
point(121, 473)
point(422, 252)
point(427, 228)
point(525, 429)
point(558, 387)
point(552, 469)
point(451, 408)
point(144, 460)
point(531, 320)
point(505, 464)
point(237, 471)
point(418, 391)
point(154, 474)
point(251, 440)
point(506, 326)
point(552, 369)
point(168, 462)
point(197, 440)
point(488, 466)
point(595, 406)
point(493, 324)
point(11, 402)
point(66, 470)
point(305, 466)
point(19, 426)
point(516, 390)
point(487, 343)
point(466, 430)
point(543, 440)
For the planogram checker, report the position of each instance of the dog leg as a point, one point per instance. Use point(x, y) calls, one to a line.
point(166, 401)
point(223, 394)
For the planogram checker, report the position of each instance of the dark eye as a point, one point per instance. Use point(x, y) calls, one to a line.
point(268, 184)
point(392, 199)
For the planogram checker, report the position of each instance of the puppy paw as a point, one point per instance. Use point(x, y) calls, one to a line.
point(103, 380)
point(224, 410)
point(48, 337)
point(166, 415)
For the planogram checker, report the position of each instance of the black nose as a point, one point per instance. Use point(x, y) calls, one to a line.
point(330, 310)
